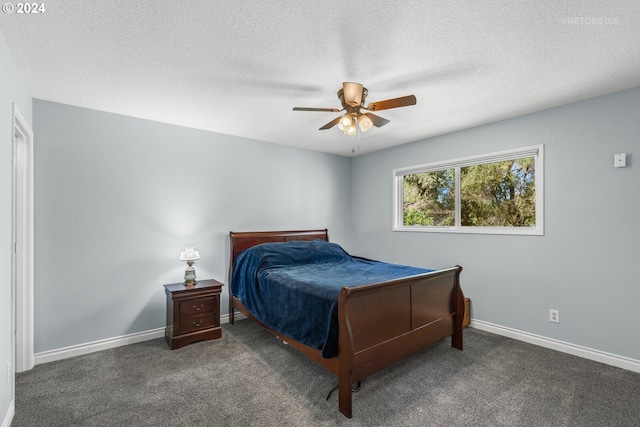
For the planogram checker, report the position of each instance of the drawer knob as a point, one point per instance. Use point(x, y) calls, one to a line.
point(197, 324)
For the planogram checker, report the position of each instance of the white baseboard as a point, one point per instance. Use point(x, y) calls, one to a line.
point(565, 347)
point(80, 349)
point(238, 316)
point(8, 417)
point(91, 347)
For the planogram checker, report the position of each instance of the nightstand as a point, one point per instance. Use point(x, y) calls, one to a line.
point(193, 313)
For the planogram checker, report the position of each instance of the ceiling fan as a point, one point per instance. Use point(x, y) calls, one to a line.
point(352, 96)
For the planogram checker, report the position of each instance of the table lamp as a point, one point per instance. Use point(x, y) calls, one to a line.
point(190, 255)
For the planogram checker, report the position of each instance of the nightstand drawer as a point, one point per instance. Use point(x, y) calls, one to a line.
point(195, 323)
point(197, 306)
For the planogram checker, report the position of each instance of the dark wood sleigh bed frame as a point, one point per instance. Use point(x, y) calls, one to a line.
point(380, 323)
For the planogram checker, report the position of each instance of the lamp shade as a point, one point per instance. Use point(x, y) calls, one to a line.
point(189, 254)
point(364, 122)
point(345, 122)
point(351, 130)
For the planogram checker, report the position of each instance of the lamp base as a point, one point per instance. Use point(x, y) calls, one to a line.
point(190, 276)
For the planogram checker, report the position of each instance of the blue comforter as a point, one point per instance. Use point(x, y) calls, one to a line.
point(293, 287)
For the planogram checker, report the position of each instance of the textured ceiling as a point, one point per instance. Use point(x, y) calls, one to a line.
point(238, 67)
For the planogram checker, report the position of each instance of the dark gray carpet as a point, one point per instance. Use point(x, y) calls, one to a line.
point(249, 378)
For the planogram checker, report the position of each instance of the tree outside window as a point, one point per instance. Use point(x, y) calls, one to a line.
point(496, 193)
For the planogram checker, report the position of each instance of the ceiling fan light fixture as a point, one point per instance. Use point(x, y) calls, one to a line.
point(351, 130)
point(352, 97)
point(345, 122)
point(364, 123)
point(352, 93)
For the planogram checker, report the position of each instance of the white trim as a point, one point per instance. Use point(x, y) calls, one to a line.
point(562, 346)
point(516, 231)
point(22, 243)
point(8, 416)
point(92, 347)
point(237, 316)
point(514, 153)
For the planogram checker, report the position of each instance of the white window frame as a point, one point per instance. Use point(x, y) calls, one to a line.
point(536, 151)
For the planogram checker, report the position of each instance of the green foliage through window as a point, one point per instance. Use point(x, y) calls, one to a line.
point(500, 194)
point(495, 191)
point(429, 198)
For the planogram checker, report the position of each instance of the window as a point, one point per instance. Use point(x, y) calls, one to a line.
point(498, 193)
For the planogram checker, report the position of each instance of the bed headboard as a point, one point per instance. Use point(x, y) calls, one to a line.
point(240, 241)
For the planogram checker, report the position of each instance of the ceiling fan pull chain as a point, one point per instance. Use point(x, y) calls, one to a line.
point(358, 132)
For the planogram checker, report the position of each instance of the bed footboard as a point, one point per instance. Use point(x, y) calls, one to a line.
point(383, 323)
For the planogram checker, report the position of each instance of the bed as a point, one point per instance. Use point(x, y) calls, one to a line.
point(368, 327)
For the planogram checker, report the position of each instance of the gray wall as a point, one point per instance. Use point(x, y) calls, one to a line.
point(118, 198)
point(587, 263)
point(12, 90)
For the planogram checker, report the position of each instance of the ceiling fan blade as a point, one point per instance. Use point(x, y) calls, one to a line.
point(403, 101)
point(331, 110)
point(376, 120)
point(331, 124)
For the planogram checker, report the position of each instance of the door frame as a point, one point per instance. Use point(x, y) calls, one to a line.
point(22, 244)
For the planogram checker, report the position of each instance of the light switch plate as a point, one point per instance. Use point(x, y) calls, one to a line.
point(620, 160)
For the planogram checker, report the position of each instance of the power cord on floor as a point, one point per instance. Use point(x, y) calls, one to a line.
point(354, 389)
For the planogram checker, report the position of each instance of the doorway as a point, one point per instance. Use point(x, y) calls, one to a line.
point(22, 244)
